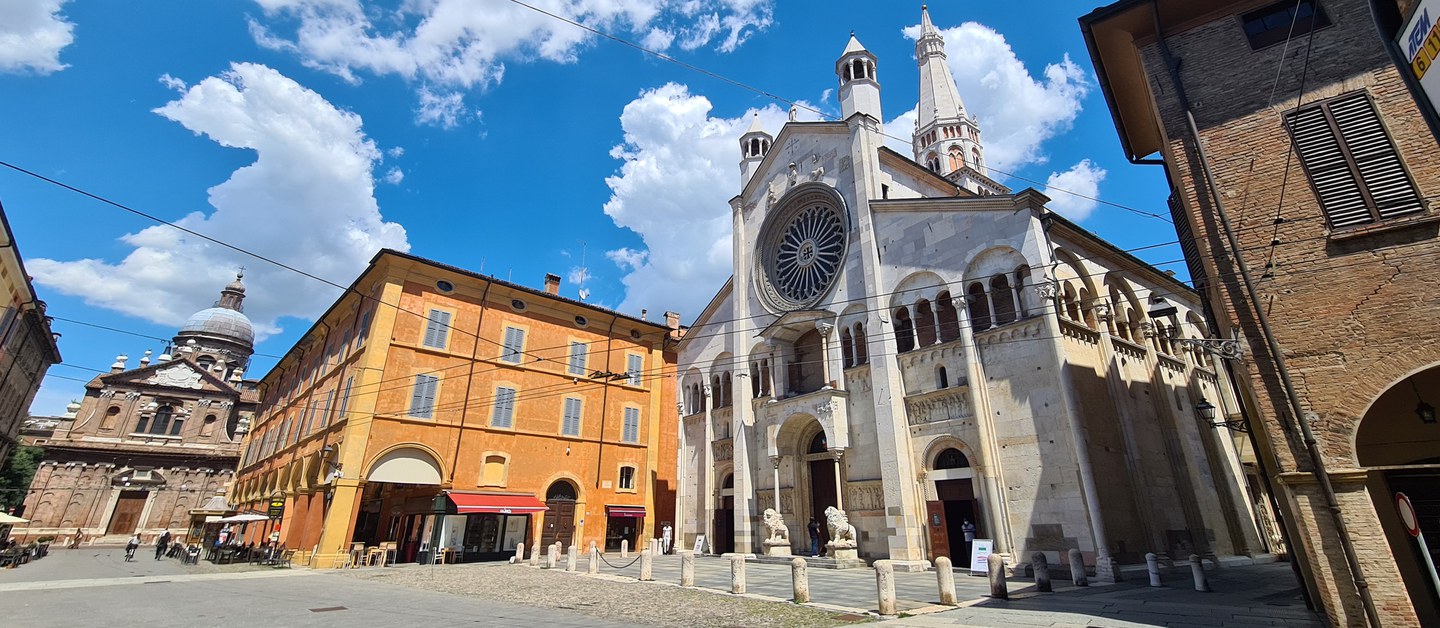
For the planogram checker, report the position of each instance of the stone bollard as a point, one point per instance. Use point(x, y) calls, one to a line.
point(535, 555)
point(799, 581)
point(624, 548)
point(998, 588)
point(737, 574)
point(1153, 564)
point(594, 566)
point(592, 546)
point(519, 553)
point(647, 566)
point(570, 558)
point(1042, 572)
point(945, 573)
point(885, 586)
point(1077, 569)
point(552, 556)
point(687, 569)
point(1197, 568)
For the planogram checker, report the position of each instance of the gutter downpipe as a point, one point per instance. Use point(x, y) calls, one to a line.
point(1317, 461)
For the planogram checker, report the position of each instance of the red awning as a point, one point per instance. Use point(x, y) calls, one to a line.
point(468, 503)
point(637, 512)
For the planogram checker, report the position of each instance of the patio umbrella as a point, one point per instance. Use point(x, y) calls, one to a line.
point(9, 519)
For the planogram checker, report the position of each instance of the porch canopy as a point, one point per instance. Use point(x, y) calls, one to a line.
point(498, 503)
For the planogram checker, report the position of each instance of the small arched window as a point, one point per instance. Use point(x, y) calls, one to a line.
point(159, 423)
point(112, 415)
point(1003, 298)
point(847, 348)
point(941, 379)
point(207, 428)
point(948, 317)
point(862, 355)
point(818, 445)
point(978, 303)
point(904, 331)
point(561, 490)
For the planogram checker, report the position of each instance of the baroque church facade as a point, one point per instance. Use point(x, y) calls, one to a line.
point(906, 341)
point(147, 446)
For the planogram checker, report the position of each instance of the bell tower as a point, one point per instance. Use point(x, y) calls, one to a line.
point(859, 89)
point(946, 138)
point(753, 146)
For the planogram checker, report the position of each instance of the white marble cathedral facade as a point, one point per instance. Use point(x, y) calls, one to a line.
point(907, 340)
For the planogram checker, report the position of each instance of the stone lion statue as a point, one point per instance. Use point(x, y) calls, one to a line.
point(842, 534)
point(777, 532)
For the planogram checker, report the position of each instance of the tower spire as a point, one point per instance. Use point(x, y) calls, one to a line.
point(946, 138)
point(233, 296)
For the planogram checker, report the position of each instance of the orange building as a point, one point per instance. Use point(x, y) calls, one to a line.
point(429, 394)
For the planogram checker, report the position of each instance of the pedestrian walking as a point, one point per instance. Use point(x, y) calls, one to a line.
point(161, 543)
point(814, 528)
point(666, 537)
point(130, 546)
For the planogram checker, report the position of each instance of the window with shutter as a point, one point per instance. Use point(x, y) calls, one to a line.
point(422, 397)
point(345, 396)
point(325, 414)
point(577, 358)
point(305, 416)
point(1354, 167)
point(514, 344)
point(630, 430)
point(627, 478)
point(504, 413)
point(364, 329)
point(437, 329)
point(634, 365)
point(570, 425)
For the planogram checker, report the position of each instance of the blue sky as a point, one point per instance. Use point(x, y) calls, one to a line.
point(479, 133)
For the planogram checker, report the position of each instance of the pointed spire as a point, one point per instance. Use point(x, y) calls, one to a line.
point(755, 125)
point(853, 46)
point(926, 27)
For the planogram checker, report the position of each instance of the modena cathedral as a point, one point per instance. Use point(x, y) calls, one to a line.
point(923, 350)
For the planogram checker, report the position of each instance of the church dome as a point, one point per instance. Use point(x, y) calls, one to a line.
point(220, 322)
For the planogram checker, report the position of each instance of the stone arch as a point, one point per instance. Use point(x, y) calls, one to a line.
point(409, 463)
point(915, 287)
point(935, 447)
point(1390, 431)
point(996, 260)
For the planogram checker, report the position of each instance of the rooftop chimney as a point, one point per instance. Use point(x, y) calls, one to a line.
point(672, 321)
point(552, 283)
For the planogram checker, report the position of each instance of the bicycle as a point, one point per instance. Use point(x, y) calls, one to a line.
point(130, 553)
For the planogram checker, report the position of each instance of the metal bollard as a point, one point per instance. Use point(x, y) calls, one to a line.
point(945, 573)
point(737, 574)
point(570, 558)
point(799, 581)
point(1153, 564)
point(1077, 569)
point(998, 588)
point(1197, 569)
point(594, 566)
point(624, 548)
point(647, 566)
point(1042, 572)
point(687, 569)
point(885, 586)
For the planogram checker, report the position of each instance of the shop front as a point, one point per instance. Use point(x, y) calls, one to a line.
point(487, 526)
point(623, 523)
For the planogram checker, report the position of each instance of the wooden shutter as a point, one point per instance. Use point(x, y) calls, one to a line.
point(1357, 174)
point(634, 365)
point(577, 358)
point(325, 414)
point(570, 426)
point(630, 431)
point(504, 407)
point(437, 329)
point(514, 343)
point(345, 396)
point(422, 397)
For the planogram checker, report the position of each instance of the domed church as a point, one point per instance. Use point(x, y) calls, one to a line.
point(148, 445)
point(920, 360)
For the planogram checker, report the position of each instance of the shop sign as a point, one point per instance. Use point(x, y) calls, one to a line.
point(277, 508)
point(980, 557)
point(1419, 40)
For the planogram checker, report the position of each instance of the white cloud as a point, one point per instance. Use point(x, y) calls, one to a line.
point(898, 131)
point(1084, 179)
point(460, 45)
point(173, 83)
point(681, 166)
point(32, 34)
point(578, 275)
point(394, 176)
point(444, 110)
point(307, 201)
point(1017, 111)
point(395, 152)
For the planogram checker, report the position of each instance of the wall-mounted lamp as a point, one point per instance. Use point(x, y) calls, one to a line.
point(1425, 411)
point(1206, 410)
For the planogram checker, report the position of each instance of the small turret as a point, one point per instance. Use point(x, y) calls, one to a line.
point(753, 146)
point(859, 87)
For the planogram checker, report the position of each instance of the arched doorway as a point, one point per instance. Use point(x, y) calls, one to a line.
point(402, 484)
point(1400, 435)
point(724, 541)
point(954, 510)
point(821, 466)
point(559, 522)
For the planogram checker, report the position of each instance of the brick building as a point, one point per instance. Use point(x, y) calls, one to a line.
point(145, 446)
point(430, 394)
point(1299, 134)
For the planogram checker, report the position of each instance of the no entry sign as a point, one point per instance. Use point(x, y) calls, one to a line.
point(1407, 514)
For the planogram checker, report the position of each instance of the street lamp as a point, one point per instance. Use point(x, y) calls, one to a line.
point(1206, 410)
point(1425, 411)
point(1231, 349)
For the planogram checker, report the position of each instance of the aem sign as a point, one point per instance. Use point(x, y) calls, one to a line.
point(1420, 41)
